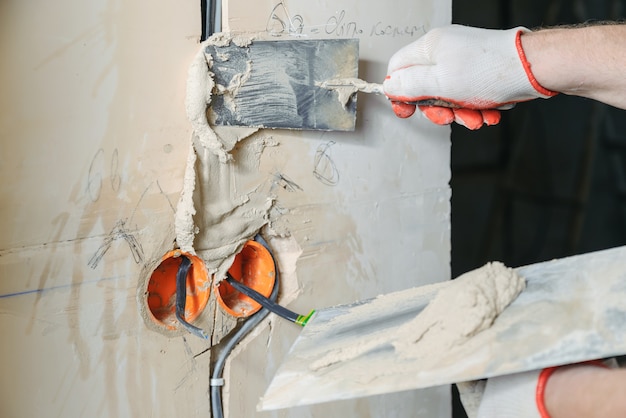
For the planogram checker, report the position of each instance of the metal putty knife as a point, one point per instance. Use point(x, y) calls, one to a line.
point(275, 84)
point(289, 84)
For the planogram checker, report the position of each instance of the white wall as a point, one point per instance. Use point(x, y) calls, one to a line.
point(94, 141)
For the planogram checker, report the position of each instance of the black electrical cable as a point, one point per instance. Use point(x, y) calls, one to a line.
point(203, 14)
point(210, 11)
point(207, 12)
point(217, 381)
point(267, 303)
point(181, 298)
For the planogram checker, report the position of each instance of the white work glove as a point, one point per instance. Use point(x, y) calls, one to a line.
point(521, 395)
point(510, 396)
point(477, 70)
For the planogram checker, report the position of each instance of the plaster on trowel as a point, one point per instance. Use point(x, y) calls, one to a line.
point(347, 87)
point(571, 310)
point(275, 83)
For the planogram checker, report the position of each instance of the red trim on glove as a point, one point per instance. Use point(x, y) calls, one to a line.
point(542, 382)
point(541, 388)
point(526, 65)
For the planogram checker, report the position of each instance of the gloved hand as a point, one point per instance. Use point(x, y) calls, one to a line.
point(478, 70)
point(522, 395)
point(511, 396)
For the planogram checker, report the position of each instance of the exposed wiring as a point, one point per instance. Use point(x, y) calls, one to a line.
point(217, 381)
point(181, 298)
point(269, 304)
point(211, 13)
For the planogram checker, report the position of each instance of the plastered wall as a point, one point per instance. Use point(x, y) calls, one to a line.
point(94, 140)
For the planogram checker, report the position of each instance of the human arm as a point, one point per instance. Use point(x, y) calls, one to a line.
point(587, 61)
point(482, 70)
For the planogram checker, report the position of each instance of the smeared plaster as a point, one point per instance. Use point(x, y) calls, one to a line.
point(346, 87)
point(213, 217)
point(459, 310)
point(199, 90)
point(230, 92)
point(270, 84)
point(241, 39)
point(183, 222)
point(225, 200)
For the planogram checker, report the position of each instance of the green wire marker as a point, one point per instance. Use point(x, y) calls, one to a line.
point(269, 304)
point(303, 319)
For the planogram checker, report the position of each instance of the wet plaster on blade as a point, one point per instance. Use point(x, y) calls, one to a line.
point(230, 92)
point(260, 90)
point(200, 86)
point(248, 79)
point(459, 312)
point(461, 309)
point(346, 87)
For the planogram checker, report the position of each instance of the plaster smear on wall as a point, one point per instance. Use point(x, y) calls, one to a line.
point(214, 216)
point(225, 200)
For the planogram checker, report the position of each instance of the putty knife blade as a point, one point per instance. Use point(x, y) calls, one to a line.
point(275, 84)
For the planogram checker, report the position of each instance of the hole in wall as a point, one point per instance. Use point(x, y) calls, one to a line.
point(254, 267)
point(160, 294)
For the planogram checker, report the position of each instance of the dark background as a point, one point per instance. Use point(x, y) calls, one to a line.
point(550, 180)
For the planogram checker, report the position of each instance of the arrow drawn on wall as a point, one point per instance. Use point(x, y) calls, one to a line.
point(118, 232)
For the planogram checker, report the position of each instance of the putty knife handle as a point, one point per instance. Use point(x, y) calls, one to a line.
point(435, 102)
point(444, 103)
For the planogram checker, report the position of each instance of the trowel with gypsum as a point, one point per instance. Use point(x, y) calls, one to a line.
point(572, 310)
point(289, 84)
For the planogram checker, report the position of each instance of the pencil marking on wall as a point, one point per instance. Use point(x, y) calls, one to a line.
point(324, 168)
point(190, 366)
point(340, 24)
point(118, 232)
point(60, 287)
point(143, 194)
point(97, 173)
point(280, 21)
point(169, 202)
point(116, 179)
point(282, 181)
point(94, 177)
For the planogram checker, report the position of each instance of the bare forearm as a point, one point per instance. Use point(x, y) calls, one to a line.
point(586, 391)
point(588, 61)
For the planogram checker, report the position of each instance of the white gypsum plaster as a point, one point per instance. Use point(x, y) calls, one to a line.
point(346, 87)
point(213, 217)
point(458, 312)
point(461, 309)
point(225, 200)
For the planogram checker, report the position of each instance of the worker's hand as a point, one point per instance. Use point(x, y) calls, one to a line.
point(477, 71)
point(523, 395)
point(511, 396)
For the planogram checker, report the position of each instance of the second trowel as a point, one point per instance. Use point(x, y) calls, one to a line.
point(572, 310)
